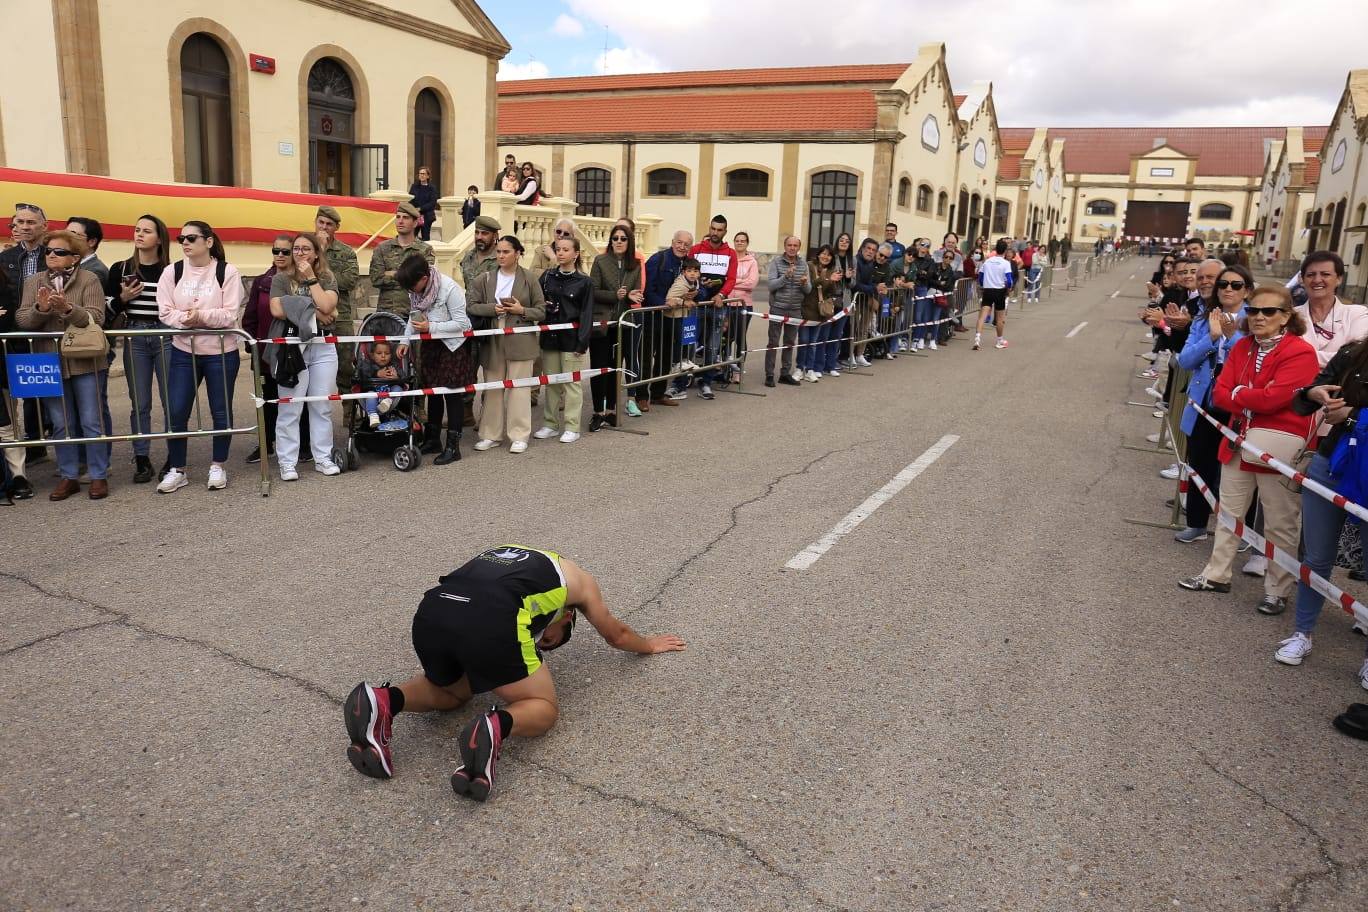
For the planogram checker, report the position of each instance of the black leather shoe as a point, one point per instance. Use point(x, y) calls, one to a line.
point(452, 452)
point(788, 381)
point(142, 471)
point(595, 423)
point(769, 381)
point(1355, 726)
point(20, 489)
point(432, 442)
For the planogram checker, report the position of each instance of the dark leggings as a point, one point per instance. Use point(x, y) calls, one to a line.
point(453, 405)
point(604, 386)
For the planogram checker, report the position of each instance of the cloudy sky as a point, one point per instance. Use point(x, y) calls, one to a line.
point(1061, 63)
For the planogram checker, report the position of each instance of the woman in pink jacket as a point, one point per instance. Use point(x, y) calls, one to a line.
point(747, 277)
point(200, 292)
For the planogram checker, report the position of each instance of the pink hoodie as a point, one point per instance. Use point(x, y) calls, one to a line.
point(747, 275)
point(198, 289)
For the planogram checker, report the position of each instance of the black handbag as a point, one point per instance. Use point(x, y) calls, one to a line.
point(288, 361)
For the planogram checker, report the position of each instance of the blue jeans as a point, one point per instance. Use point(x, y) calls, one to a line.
point(372, 406)
point(831, 352)
point(145, 358)
point(1321, 525)
point(710, 321)
point(219, 374)
point(79, 410)
point(812, 347)
point(925, 312)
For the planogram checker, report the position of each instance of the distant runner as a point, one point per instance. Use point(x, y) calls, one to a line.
point(482, 628)
point(995, 277)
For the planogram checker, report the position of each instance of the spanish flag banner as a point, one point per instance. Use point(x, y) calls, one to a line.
point(239, 215)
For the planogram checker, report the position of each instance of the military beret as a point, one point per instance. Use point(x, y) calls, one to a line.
point(488, 223)
point(329, 212)
point(408, 209)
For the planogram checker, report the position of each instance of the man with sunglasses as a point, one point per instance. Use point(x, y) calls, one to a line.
point(19, 263)
point(481, 629)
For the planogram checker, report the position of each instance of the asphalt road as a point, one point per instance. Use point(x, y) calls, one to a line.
point(989, 695)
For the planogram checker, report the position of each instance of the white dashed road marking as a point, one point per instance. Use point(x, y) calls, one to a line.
point(809, 555)
point(1076, 330)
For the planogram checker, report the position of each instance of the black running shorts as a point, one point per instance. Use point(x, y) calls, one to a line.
point(995, 298)
point(451, 642)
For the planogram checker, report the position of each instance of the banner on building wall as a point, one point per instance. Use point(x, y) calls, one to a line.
point(238, 214)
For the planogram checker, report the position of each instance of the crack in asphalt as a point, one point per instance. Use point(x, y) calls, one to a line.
point(654, 599)
point(116, 618)
point(732, 839)
point(1333, 870)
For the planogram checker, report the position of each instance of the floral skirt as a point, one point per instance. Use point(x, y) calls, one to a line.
point(440, 366)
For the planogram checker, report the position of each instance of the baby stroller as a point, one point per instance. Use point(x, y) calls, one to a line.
point(398, 426)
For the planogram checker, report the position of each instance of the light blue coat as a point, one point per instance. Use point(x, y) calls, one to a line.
point(1200, 355)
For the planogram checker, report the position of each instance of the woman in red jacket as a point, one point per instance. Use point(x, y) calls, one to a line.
point(1257, 384)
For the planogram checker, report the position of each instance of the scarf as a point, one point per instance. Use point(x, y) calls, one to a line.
point(423, 302)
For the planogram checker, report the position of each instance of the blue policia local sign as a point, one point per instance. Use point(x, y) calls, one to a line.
point(688, 330)
point(34, 376)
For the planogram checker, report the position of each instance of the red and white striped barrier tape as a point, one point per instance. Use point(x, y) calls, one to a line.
point(1271, 551)
point(543, 380)
point(1266, 458)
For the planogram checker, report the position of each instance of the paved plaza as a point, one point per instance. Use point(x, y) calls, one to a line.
point(990, 695)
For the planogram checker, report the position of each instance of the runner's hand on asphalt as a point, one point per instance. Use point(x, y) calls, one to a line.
point(664, 643)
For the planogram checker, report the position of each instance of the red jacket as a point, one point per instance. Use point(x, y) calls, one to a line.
point(1265, 398)
point(713, 266)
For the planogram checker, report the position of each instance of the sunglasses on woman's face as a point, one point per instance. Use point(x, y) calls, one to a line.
point(1236, 285)
point(189, 238)
point(619, 237)
point(1264, 311)
point(59, 252)
point(280, 251)
point(561, 232)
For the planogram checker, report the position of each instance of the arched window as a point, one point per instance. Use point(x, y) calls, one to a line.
point(427, 135)
point(206, 102)
point(904, 193)
point(942, 203)
point(748, 182)
point(923, 198)
point(593, 192)
point(832, 208)
point(1218, 212)
point(667, 182)
point(1100, 207)
point(1001, 210)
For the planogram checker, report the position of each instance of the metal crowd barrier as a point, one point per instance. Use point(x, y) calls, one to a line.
point(33, 355)
point(1171, 440)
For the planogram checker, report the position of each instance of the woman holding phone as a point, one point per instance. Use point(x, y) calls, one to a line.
point(512, 297)
point(616, 278)
point(132, 293)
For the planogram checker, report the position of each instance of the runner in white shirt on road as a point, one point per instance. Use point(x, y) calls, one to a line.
point(995, 277)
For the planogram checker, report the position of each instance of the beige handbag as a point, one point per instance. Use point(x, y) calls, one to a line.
point(1281, 445)
point(87, 341)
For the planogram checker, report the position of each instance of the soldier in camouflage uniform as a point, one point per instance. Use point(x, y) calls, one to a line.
point(387, 257)
point(477, 261)
point(342, 262)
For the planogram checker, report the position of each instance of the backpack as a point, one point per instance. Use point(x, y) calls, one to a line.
point(220, 272)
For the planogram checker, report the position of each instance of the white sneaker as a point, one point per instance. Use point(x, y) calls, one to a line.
point(1255, 566)
point(546, 433)
point(518, 446)
point(1360, 627)
point(834, 372)
point(569, 437)
point(931, 345)
point(373, 419)
point(1292, 650)
point(1001, 343)
point(327, 467)
point(1152, 438)
point(289, 474)
point(1159, 413)
point(1150, 356)
point(817, 374)
point(218, 479)
point(1154, 393)
point(977, 340)
point(797, 374)
point(1363, 675)
point(810, 376)
point(173, 482)
point(1171, 473)
point(864, 362)
point(484, 443)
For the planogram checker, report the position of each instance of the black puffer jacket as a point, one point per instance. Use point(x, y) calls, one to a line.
point(569, 299)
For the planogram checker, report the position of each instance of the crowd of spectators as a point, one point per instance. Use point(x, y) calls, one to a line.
point(696, 302)
point(1283, 367)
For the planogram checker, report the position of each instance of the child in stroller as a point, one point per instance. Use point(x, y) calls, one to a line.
point(378, 373)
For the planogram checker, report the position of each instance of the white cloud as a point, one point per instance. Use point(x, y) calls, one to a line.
point(1065, 63)
point(567, 26)
point(627, 60)
point(533, 69)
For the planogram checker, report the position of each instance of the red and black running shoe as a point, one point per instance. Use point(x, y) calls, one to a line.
point(367, 712)
point(480, 742)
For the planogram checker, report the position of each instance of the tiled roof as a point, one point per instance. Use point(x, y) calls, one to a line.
point(695, 79)
point(959, 100)
point(819, 109)
point(1016, 139)
point(1220, 151)
point(1009, 167)
point(1311, 176)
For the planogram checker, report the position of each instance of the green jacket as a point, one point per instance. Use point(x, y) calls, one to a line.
point(342, 262)
point(387, 258)
point(473, 265)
